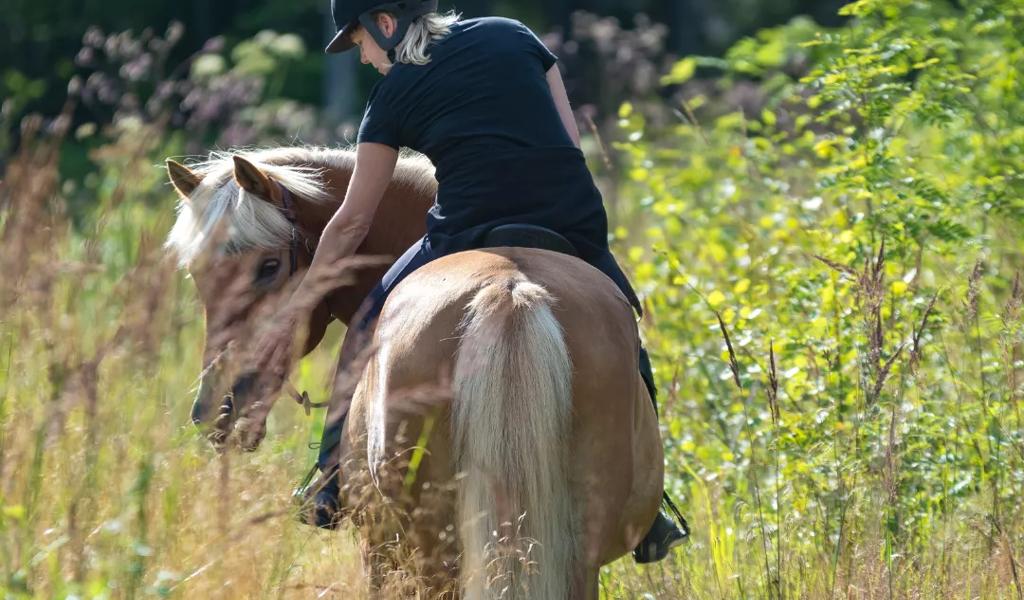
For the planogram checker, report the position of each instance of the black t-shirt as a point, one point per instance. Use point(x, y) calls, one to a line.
point(482, 111)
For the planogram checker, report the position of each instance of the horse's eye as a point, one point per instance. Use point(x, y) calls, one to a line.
point(268, 269)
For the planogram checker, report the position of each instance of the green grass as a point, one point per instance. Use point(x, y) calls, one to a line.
point(108, 492)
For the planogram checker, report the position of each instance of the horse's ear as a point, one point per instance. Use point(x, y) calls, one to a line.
point(182, 178)
point(251, 179)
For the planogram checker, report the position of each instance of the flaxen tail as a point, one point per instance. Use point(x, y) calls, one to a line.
point(511, 421)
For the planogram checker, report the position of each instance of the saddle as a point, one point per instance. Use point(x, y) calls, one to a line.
point(528, 236)
point(518, 235)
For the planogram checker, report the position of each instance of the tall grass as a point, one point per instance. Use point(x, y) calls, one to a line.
point(105, 489)
point(838, 346)
point(108, 492)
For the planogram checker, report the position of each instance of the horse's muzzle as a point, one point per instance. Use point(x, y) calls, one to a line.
point(220, 417)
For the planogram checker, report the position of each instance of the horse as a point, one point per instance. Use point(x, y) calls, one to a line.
point(500, 441)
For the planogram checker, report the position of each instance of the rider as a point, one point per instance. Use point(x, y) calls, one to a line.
point(484, 101)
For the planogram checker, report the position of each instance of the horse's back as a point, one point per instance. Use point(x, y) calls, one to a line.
point(584, 296)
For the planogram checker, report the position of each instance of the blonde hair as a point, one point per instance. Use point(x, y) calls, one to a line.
point(424, 30)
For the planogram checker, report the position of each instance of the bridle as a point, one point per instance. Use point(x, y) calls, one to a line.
point(288, 210)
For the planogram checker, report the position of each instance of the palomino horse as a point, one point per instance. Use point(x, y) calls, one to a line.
point(541, 434)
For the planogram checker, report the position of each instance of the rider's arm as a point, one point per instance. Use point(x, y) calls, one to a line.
point(562, 103)
point(375, 165)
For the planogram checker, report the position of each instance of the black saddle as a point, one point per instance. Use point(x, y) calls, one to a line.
point(528, 236)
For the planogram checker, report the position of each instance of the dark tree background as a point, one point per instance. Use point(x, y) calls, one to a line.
point(39, 39)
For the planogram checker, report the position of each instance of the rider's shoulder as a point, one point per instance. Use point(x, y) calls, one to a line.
point(494, 24)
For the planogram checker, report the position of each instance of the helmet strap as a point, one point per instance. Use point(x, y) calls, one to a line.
point(405, 19)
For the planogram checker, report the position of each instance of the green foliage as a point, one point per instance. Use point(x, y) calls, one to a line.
point(833, 306)
point(858, 237)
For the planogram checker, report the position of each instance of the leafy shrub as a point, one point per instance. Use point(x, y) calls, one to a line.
point(833, 278)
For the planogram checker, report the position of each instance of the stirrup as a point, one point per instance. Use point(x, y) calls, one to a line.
point(318, 504)
point(683, 525)
point(300, 492)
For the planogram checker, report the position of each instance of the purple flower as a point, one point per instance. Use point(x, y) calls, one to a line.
point(85, 57)
point(214, 44)
point(74, 86)
point(174, 32)
point(138, 69)
point(94, 38)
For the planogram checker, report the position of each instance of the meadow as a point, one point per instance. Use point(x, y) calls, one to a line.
point(825, 226)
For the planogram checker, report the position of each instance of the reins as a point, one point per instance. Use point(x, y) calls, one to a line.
point(288, 210)
point(303, 398)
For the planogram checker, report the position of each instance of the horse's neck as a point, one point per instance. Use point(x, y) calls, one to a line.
point(400, 221)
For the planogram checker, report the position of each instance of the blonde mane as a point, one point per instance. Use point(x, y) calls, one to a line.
point(219, 209)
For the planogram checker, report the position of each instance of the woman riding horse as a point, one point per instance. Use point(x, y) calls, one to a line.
point(482, 99)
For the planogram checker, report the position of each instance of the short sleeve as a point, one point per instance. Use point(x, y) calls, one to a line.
point(380, 121)
point(537, 47)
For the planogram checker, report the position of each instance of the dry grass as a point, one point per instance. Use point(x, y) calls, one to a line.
point(107, 491)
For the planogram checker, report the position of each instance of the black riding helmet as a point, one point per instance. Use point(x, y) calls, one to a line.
point(348, 14)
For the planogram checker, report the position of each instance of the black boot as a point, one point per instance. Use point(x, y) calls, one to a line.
point(662, 537)
point(319, 502)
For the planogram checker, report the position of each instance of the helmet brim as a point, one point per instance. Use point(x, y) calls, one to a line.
point(343, 41)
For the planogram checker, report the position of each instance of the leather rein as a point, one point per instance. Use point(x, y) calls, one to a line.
point(288, 210)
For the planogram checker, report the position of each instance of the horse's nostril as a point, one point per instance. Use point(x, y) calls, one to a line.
point(244, 385)
point(197, 413)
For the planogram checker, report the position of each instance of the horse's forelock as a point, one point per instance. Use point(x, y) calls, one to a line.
point(220, 205)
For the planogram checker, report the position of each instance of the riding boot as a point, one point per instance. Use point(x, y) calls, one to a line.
point(664, 534)
point(319, 502)
point(318, 498)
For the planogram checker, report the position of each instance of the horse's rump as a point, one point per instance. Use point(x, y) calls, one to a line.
point(548, 419)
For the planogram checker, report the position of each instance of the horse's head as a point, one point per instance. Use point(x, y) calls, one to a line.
point(238, 235)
